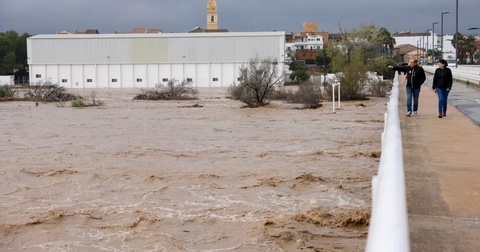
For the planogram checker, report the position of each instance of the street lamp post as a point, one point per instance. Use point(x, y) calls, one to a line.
point(418, 45)
point(428, 34)
point(423, 47)
point(441, 41)
point(456, 34)
point(421, 53)
point(433, 41)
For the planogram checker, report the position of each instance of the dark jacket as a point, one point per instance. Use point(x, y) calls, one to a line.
point(442, 78)
point(415, 75)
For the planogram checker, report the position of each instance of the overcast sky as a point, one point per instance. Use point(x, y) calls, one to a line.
point(108, 16)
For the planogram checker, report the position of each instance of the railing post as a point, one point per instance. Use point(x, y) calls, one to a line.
point(333, 95)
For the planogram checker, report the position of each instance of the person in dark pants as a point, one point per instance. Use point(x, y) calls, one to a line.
point(442, 84)
point(415, 78)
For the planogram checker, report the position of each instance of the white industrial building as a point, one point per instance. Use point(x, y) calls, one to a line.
point(144, 60)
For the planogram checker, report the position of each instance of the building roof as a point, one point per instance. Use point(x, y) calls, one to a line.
point(410, 34)
point(160, 35)
point(145, 30)
point(88, 31)
point(402, 46)
point(201, 30)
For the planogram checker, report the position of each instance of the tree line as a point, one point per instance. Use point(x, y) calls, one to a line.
point(370, 46)
point(13, 52)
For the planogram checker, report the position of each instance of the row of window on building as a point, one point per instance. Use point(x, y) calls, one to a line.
point(39, 76)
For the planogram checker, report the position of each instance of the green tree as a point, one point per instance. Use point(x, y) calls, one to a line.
point(470, 47)
point(384, 38)
point(358, 45)
point(299, 71)
point(378, 64)
point(322, 59)
point(13, 47)
point(298, 68)
point(361, 51)
point(466, 47)
point(8, 62)
point(353, 81)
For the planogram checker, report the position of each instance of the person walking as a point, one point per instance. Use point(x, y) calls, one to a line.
point(442, 84)
point(415, 78)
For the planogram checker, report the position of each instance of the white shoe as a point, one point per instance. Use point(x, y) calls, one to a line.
point(409, 113)
point(415, 113)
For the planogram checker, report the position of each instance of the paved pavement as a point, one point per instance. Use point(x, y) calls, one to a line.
point(466, 98)
point(442, 171)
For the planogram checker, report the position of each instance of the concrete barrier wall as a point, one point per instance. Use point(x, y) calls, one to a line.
point(388, 230)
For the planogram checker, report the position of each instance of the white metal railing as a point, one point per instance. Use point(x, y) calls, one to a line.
point(335, 85)
point(388, 230)
point(470, 73)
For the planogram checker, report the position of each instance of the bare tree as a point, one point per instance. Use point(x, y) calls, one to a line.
point(257, 80)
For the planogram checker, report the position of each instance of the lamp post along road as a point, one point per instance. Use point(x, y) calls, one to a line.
point(428, 34)
point(421, 52)
point(456, 34)
point(433, 42)
point(423, 48)
point(418, 51)
point(441, 41)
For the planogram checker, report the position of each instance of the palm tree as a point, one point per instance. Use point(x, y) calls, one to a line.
point(470, 47)
point(466, 47)
point(384, 37)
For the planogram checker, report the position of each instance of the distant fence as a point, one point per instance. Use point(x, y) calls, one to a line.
point(388, 230)
point(470, 73)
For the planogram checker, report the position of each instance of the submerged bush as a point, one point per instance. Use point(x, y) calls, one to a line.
point(379, 88)
point(48, 93)
point(78, 103)
point(257, 80)
point(89, 101)
point(174, 90)
point(308, 94)
point(353, 81)
point(6, 92)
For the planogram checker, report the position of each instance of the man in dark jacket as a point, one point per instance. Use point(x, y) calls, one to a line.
point(415, 78)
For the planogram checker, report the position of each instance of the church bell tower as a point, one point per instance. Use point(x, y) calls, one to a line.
point(212, 15)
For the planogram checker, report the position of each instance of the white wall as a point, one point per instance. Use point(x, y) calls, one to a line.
point(6, 80)
point(137, 75)
point(141, 61)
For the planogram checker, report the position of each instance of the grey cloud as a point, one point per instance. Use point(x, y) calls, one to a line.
point(51, 16)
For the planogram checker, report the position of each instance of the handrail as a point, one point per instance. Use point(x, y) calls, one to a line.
point(470, 73)
point(388, 230)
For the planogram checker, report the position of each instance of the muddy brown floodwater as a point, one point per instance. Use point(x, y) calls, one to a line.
point(171, 176)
